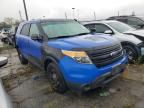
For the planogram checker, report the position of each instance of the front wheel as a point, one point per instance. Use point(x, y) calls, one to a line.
point(131, 53)
point(22, 59)
point(55, 78)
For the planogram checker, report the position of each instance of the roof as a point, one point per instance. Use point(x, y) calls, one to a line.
point(124, 16)
point(100, 21)
point(47, 20)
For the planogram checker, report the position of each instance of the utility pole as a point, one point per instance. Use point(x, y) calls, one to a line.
point(65, 15)
point(73, 13)
point(118, 13)
point(25, 10)
point(94, 16)
point(78, 11)
point(133, 13)
point(20, 15)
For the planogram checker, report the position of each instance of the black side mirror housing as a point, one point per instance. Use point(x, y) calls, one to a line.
point(36, 37)
point(93, 30)
point(141, 26)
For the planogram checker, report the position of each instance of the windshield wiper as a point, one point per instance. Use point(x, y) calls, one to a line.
point(69, 36)
point(82, 34)
point(60, 37)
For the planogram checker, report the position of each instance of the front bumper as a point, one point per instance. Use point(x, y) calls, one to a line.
point(87, 76)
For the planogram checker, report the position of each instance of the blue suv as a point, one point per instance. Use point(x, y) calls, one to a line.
point(70, 54)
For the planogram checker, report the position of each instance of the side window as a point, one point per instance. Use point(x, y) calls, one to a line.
point(134, 21)
point(34, 30)
point(100, 28)
point(122, 20)
point(25, 29)
point(90, 26)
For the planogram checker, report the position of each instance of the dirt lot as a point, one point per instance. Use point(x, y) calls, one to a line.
point(29, 88)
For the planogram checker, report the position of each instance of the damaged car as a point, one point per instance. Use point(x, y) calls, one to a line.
point(131, 39)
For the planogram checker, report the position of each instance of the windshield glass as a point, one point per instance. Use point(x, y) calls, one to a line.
point(63, 29)
point(120, 27)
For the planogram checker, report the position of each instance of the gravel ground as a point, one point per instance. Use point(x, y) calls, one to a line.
point(29, 88)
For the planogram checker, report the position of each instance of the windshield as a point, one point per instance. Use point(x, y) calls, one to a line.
point(120, 27)
point(63, 29)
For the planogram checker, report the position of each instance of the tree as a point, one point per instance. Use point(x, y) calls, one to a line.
point(9, 21)
point(4, 25)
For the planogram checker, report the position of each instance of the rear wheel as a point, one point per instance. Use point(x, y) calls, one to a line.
point(2, 39)
point(22, 59)
point(131, 53)
point(55, 78)
point(5, 40)
point(8, 42)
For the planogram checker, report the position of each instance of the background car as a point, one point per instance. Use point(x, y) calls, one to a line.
point(134, 21)
point(11, 36)
point(131, 39)
point(3, 35)
point(3, 61)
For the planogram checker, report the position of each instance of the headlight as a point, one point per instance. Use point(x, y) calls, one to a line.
point(79, 56)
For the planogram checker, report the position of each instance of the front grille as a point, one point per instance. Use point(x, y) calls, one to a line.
point(106, 56)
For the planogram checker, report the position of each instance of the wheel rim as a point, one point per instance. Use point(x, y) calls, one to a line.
point(130, 54)
point(54, 78)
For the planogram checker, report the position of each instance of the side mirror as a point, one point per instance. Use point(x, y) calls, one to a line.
point(141, 26)
point(36, 37)
point(93, 30)
point(3, 61)
point(108, 32)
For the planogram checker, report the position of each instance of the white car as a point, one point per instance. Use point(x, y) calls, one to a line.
point(3, 61)
point(3, 35)
point(131, 39)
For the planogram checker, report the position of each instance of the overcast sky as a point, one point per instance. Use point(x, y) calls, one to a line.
point(84, 9)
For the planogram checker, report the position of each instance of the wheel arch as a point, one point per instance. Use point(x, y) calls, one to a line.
point(131, 44)
point(50, 59)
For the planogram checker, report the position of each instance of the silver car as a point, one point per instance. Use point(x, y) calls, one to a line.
point(3, 35)
point(131, 39)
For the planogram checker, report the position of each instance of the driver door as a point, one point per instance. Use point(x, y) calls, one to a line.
point(35, 45)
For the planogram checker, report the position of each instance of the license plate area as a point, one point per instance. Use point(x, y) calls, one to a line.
point(117, 69)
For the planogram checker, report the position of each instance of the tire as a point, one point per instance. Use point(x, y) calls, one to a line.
point(22, 59)
point(2, 40)
point(55, 78)
point(131, 53)
point(9, 43)
point(13, 43)
point(5, 40)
